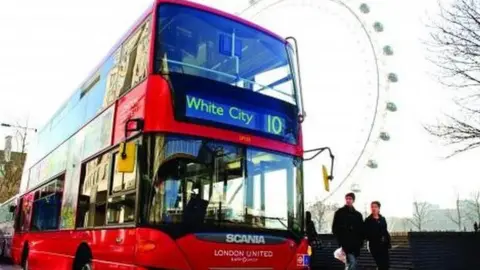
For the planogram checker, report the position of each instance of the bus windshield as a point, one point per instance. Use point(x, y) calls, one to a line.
point(199, 43)
point(230, 184)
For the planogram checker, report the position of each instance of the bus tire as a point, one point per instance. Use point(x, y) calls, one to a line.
point(83, 258)
point(24, 261)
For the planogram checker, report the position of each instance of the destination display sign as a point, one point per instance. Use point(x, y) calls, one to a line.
point(234, 113)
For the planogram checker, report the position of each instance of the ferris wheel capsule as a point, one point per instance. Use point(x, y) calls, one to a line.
point(364, 8)
point(384, 136)
point(372, 164)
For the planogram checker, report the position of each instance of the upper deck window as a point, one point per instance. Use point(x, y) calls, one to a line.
point(203, 44)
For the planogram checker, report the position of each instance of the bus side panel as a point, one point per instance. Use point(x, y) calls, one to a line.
point(47, 260)
point(113, 248)
point(51, 250)
point(17, 247)
point(157, 249)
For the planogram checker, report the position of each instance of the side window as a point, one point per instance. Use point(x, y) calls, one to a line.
point(18, 216)
point(130, 63)
point(46, 205)
point(121, 204)
point(135, 56)
point(92, 202)
point(22, 213)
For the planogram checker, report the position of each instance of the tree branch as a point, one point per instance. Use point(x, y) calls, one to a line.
point(421, 215)
point(455, 47)
point(473, 207)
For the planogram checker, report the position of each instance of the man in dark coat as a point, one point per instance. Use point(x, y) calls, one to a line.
point(349, 231)
point(376, 233)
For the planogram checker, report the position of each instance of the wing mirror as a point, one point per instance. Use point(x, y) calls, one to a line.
point(327, 177)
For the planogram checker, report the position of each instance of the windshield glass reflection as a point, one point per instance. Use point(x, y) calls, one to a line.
point(203, 44)
point(212, 182)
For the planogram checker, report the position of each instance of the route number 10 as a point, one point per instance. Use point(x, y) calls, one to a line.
point(274, 125)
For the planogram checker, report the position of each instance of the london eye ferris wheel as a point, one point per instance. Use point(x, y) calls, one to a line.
point(346, 79)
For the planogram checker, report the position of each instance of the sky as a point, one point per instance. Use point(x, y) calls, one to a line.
point(50, 47)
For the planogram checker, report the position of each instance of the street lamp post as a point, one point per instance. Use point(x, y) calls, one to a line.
point(24, 136)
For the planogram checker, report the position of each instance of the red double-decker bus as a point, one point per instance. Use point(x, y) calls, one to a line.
point(182, 150)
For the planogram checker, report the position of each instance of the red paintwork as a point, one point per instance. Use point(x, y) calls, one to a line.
point(201, 255)
point(139, 248)
point(130, 106)
point(213, 254)
point(55, 250)
point(166, 254)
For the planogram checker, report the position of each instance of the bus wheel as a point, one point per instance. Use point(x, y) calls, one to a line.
point(83, 258)
point(25, 258)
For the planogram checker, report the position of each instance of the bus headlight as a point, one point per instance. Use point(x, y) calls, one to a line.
point(309, 250)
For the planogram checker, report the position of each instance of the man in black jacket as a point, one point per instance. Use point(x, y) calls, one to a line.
point(349, 231)
point(378, 238)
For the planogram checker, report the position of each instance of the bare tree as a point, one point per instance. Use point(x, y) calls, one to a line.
point(20, 132)
point(11, 170)
point(421, 215)
point(455, 44)
point(318, 210)
point(406, 224)
point(10, 175)
point(456, 215)
point(473, 207)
